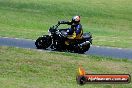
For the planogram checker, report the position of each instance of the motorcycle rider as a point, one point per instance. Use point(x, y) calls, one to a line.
point(75, 31)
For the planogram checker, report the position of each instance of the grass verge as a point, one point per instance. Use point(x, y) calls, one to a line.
point(25, 68)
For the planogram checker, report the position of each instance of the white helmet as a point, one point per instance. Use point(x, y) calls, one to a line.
point(76, 19)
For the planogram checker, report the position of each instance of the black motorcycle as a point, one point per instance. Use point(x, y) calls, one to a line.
point(57, 38)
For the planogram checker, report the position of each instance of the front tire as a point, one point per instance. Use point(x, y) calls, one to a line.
point(43, 42)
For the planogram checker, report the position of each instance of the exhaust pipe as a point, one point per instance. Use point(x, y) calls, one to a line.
point(84, 44)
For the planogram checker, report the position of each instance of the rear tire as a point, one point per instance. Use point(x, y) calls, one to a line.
point(82, 49)
point(43, 42)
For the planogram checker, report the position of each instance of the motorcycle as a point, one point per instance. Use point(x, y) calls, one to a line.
point(57, 38)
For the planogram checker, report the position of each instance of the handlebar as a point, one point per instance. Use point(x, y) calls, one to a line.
point(57, 31)
point(56, 26)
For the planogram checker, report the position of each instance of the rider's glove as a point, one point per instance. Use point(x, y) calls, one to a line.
point(61, 22)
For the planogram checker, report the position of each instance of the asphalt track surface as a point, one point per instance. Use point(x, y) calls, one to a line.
point(94, 50)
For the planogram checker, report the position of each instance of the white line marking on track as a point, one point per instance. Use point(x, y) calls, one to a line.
point(17, 38)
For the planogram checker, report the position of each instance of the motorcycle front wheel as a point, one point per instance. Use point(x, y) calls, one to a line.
point(43, 42)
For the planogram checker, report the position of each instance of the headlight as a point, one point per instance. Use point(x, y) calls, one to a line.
point(49, 32)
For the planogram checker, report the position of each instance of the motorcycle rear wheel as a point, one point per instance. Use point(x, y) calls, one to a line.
point(82, 49)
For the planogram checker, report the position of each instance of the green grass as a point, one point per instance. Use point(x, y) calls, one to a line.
point(25, 68)
point(110, 21)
